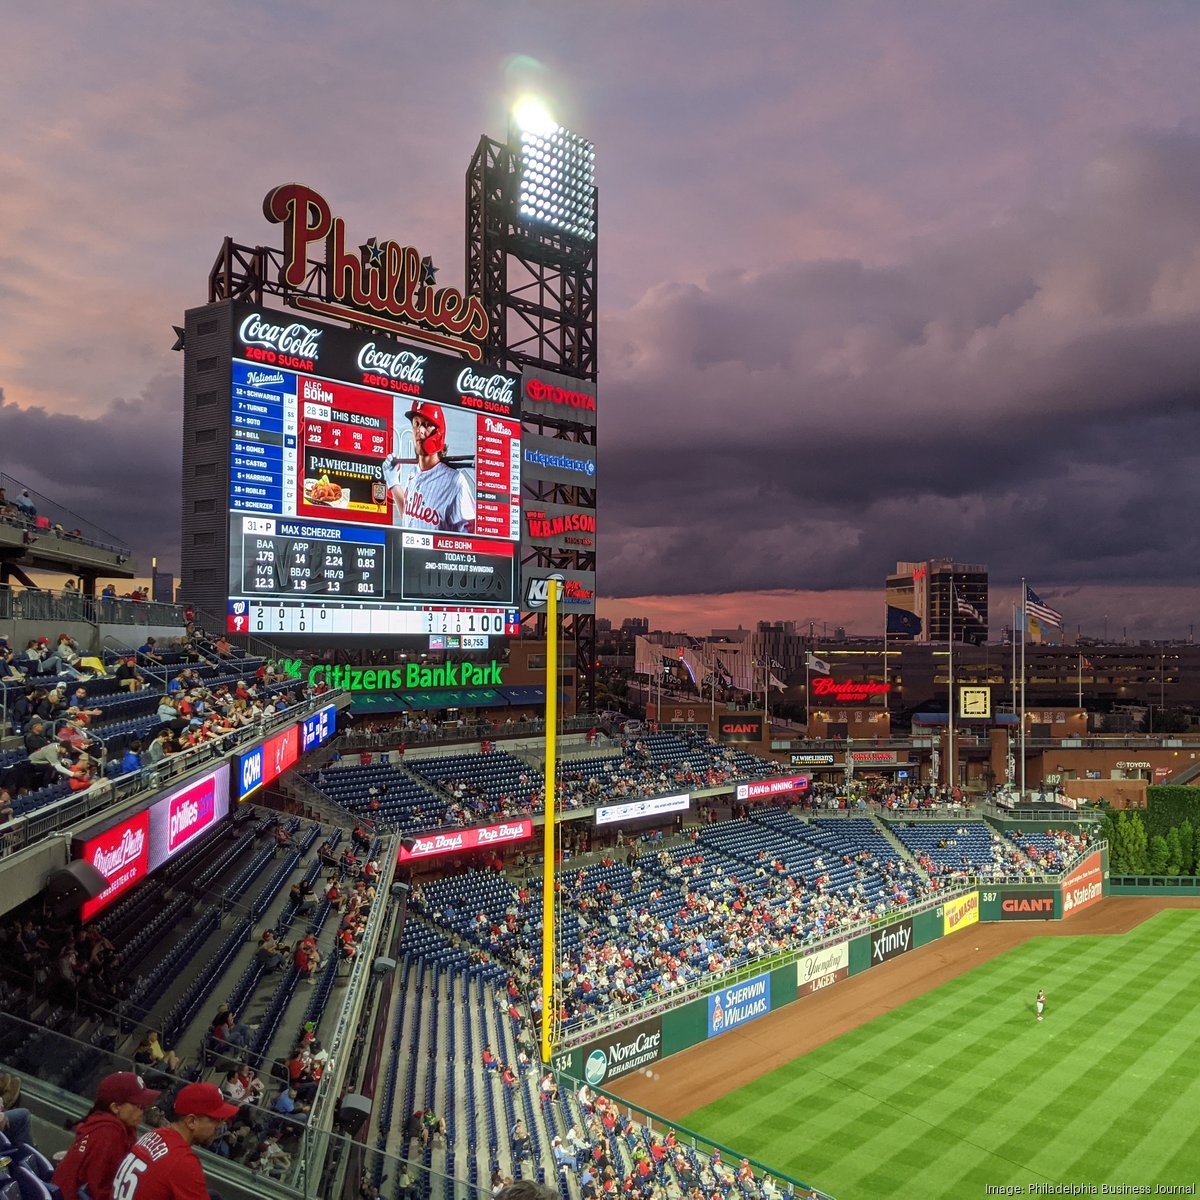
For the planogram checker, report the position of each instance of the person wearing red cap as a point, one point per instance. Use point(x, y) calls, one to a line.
point(162, 1165)
point(104, 1137)
point(434, 493)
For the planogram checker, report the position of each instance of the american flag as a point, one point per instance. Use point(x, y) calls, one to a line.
point(965, 608)
point(1042, 613)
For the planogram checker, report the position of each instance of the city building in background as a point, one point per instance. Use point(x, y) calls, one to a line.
point(929, 589)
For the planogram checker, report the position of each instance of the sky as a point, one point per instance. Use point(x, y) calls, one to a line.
point(878, 281)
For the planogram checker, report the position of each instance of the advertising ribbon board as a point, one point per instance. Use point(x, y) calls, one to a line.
point(455, 841)
point(1084, 886)
point(819, 970)
point(733, 1006)
point(624, 1051)
point(959, 913)
point(772, 787)
point(122, 855)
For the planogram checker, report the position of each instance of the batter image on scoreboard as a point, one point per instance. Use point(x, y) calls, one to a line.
point(433, 489)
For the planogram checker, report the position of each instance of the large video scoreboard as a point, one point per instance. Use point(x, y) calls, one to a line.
point(374, 488)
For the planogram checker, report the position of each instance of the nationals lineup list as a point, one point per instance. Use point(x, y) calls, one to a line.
point(337, 524)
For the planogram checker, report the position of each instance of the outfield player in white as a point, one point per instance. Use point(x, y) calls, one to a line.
point(1041, 1003)
point(433, 495)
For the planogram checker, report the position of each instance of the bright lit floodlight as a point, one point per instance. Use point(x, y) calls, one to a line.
point(530, 115)
point(557, 173)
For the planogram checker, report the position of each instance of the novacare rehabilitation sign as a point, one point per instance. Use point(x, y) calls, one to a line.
point(733, 1006)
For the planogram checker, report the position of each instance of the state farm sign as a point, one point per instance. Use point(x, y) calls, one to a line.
point(455, 841)
point(1084, 886)
point(121, 855)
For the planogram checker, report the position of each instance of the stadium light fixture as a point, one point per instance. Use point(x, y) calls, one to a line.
point(556, 171)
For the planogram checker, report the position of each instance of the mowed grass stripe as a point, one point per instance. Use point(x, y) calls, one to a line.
point(1147, 1123)
point(810, 1116)
point(1113, 1027)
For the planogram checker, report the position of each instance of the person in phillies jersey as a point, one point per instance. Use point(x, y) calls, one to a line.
point(162, 1164)
point(434, 494)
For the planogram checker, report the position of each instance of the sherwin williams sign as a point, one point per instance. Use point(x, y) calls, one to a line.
point(958, 914)
point(733, 1006)
point(622, 1052)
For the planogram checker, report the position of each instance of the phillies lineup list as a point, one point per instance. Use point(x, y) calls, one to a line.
point(321, 454)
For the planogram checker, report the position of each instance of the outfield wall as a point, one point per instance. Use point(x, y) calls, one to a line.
point(637, 1046)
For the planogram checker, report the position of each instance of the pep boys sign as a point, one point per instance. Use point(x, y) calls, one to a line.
point(122, 855)
point(455, 841)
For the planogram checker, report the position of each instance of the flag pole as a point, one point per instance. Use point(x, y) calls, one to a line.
point(1081, 679)
point(950, 684)
point(1024, 625)
point(885, 657)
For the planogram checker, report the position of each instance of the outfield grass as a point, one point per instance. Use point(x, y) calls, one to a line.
point(963, 1087)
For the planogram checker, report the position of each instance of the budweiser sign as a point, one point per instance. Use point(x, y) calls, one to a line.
point(387, 284)
point(454, 841)
point(848, 691)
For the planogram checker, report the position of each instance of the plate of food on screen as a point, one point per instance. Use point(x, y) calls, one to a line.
point(322, 491)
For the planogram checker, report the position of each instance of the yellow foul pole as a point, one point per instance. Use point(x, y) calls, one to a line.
point(549, 1001)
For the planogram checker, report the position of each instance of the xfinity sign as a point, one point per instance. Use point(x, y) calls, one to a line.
point(891, 941)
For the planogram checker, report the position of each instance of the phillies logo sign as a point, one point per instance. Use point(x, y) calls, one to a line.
point(848, 691)
point(388, 284)
point(541, 392)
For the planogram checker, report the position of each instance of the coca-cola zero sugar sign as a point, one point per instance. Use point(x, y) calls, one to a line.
point(121, 855)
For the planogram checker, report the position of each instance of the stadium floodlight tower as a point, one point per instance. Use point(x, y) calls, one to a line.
point(531, 244)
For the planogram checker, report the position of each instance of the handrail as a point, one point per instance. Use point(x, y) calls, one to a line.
point(107, 794)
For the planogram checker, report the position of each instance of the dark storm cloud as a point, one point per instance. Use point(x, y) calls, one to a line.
point(118, 467)
point(1028, 397)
